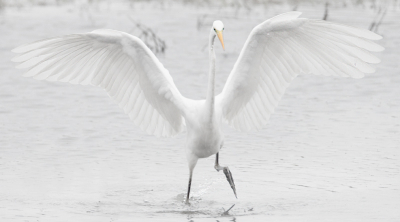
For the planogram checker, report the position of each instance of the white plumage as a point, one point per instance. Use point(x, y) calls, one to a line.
point(275, 52)
point(119, 63)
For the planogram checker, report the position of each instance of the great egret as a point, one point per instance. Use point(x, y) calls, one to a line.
point(275, 52)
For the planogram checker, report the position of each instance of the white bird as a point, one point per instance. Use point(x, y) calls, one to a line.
point(275, 52)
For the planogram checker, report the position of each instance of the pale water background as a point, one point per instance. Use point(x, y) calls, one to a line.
point(331, 151)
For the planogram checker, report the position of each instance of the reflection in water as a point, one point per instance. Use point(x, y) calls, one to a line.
point(227, 211)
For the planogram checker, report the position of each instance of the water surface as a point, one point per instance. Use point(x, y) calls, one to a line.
point(330, 152)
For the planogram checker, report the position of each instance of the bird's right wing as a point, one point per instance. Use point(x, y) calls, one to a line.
point(119, 63)
point(277, 51)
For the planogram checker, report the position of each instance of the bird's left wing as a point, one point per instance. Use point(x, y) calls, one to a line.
point(277, 51)
point(117, 62)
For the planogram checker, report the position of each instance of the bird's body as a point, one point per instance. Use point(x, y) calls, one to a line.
point(275, 52)
point(204, 136)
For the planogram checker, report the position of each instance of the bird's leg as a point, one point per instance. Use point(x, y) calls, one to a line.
point(227, 173)
point(190, 183)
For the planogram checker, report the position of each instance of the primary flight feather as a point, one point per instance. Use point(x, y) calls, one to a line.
point(275, 52)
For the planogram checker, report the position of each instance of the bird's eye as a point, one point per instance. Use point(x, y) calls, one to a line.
point(223, 29)
point(215, 30)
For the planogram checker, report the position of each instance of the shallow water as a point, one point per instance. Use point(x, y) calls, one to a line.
point(330, 152)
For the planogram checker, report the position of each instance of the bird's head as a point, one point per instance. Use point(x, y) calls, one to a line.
point(218, 27)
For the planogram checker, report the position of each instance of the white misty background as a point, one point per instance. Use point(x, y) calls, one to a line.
point(330, 152)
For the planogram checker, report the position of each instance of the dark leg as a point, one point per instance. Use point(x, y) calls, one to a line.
point(190, 183)
point(227, 173)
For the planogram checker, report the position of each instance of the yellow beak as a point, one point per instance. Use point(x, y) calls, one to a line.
point(221, 38)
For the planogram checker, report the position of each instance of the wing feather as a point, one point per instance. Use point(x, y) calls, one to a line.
point(117, 62)
point(277, 51)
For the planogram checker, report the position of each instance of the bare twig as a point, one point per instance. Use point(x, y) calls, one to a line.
point(373, 23)
point(326, 11)
point(2, 5)
point(378, 19)
point(149, 37)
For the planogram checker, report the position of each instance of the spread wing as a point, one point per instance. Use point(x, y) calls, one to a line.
point(277, 51)
point(117, 62)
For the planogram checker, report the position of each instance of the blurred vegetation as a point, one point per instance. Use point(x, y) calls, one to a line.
point(148, 35)
point(216, 3)
point(158, 45)
point(2, 5)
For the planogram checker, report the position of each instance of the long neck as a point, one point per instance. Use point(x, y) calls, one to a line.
point(210, 100)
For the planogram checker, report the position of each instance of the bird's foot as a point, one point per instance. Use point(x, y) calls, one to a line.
point(187, 203)
point(229, 177)
point(226, 212)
